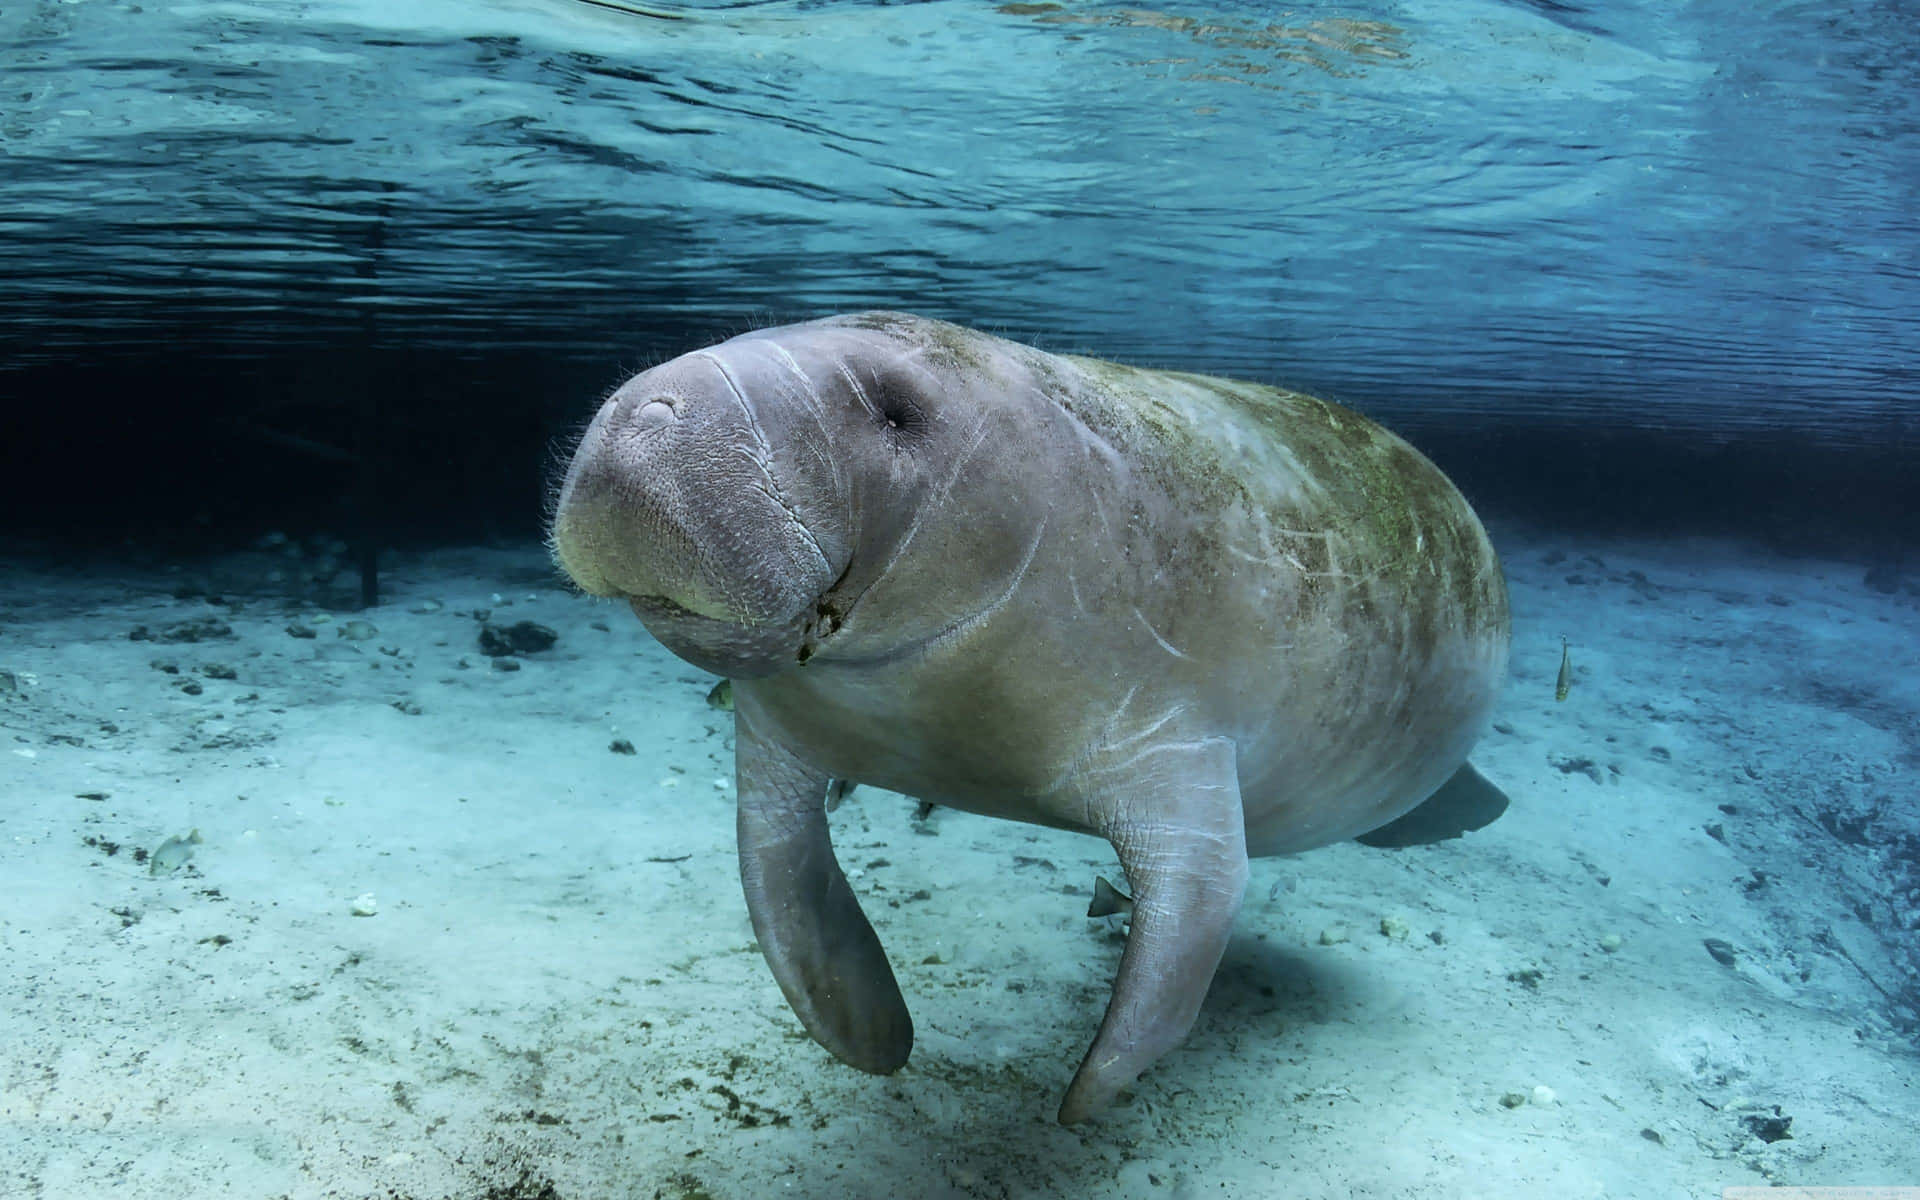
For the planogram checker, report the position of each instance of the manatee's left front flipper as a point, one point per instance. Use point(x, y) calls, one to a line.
point(823, 952)
point(1175, 819)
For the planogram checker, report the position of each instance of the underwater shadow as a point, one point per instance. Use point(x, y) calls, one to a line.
point(971, 1127)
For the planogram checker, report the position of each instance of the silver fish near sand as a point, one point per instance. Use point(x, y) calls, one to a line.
point(169, 856)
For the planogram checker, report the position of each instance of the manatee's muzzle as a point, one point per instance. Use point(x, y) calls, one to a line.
point(674, 503)
point(741, 567)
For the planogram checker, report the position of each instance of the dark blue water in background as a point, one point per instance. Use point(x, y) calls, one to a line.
point(1583, 249)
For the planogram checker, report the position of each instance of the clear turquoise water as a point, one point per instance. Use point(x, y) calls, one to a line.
point(1698, 216)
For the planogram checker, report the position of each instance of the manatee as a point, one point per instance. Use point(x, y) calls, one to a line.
point(1200, 618)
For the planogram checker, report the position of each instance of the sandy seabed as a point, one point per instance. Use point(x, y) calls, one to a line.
point(555, 992)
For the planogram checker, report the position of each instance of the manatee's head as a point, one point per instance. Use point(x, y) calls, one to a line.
point(694, 497)
point(749, 500)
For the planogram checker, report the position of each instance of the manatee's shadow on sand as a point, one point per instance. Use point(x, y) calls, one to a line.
point(999, 1137)
point(1263, 988)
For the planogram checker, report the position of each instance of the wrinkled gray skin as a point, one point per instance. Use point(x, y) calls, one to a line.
point(1201, 619)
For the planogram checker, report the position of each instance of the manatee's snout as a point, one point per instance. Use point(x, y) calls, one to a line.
point(674, 502)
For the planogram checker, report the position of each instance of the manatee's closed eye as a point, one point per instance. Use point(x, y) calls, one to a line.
point(902, 414)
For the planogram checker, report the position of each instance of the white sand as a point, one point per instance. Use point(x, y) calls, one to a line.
point(558, 995)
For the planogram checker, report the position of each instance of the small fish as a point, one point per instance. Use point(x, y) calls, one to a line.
point(172, 854)
point(721, 697)
point(1565, 681)
point(1109, 900)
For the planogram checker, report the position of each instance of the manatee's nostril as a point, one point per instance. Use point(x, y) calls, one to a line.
point(649, 415)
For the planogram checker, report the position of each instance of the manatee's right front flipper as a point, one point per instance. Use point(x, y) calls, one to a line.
point(1173, 814)
point(821, 948)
